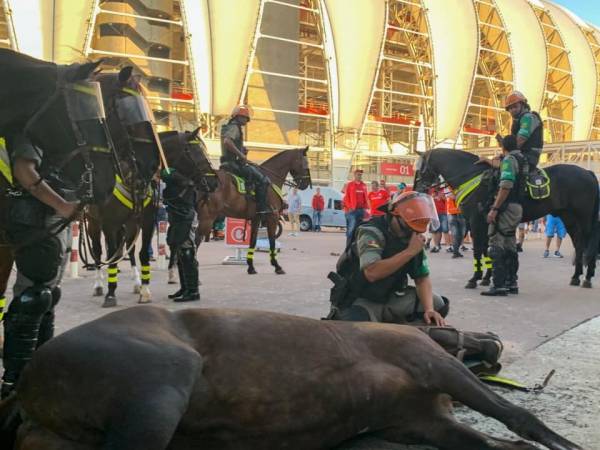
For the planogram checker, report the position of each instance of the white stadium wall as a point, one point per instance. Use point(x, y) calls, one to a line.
point(222, 36)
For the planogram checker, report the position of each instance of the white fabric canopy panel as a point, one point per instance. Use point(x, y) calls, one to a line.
point(357, 32)
point(221, 37)
point(455, 54)
point(528, 49)
point(583, 70)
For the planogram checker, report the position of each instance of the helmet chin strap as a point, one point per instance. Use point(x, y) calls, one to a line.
point(403, 229)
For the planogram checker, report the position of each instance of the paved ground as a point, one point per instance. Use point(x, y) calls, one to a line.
point(546, 308)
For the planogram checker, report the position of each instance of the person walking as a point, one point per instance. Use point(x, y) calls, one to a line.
point(294, 207)
point(554, 227)
point(377, 197)
point(457, 224)
point(356, 203)
point(442, 225)
point(318, 205)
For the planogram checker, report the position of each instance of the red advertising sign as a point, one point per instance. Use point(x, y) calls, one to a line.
point(404, 169)
point(234, 232)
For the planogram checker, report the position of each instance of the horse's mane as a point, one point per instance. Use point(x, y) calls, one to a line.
point(280, 154)
point(468, 157)
point(455, 163)
point(25, 82)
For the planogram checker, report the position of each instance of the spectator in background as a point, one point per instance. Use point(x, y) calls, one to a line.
point(356, 203)
point(377, 198)
point(554, 226)
point(294, 207)
point(383, 185)
point(318, 205)
point(522, 231)
point(440, 205)
point(457, 224)
point(401, 188)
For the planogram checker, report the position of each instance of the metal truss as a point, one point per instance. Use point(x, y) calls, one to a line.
point(7, 32)
point(595, 46)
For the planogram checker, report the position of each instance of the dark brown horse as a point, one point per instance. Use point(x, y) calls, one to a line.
point(148, 379)
point(186, 153)
point(227, 200)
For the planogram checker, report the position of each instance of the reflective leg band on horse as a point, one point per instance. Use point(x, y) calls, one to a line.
point(250, 254)
point(477, 266)
point(487, 262)
point(112, 273)
point(2, 306)
point(146, 275)
point(273, 254)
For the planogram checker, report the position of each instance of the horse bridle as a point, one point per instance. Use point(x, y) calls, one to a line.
point(202, 183)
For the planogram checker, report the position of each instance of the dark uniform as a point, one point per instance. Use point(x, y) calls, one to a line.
point(180, 198)
point(529, 126)
point(389, 300)
point(40, 263)
point(230, 162)
point(502, 233)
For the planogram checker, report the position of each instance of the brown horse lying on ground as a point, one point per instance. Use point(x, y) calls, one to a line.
point(148, 379)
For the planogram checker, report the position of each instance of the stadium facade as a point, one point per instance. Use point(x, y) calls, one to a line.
point(365, 83)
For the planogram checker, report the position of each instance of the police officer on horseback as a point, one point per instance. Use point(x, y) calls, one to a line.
point(504, 218)
point(180, 197)
point(371, 278)
point(527, 128)
point(234, 155)
point(37, 205)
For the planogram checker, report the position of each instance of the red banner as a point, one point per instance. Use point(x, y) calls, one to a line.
point(402, 169)
point(234, 232)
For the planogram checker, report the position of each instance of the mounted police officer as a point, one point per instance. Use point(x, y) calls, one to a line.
point(371, 280)
point(504, 218)
point(234, 155)
point(527, 128)
point(180, 197)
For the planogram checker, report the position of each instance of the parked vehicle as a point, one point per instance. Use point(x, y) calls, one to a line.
point(333, 214)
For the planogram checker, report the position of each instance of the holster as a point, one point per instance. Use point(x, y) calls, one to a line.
point(26, 211)
point(338, 295)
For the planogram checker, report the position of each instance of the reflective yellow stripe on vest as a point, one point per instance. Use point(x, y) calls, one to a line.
point(5, 162)
point(466, 188)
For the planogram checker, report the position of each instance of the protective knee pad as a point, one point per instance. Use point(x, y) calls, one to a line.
point(495, 252)
point(42, 261)
point(355, 314)
point(34, 301)
point(56, 295)
point(444, 310)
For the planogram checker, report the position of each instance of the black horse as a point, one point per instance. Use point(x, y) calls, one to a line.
point(186, 153)
point(573, 197)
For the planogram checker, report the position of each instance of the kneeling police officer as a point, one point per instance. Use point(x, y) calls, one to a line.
point(371, 278)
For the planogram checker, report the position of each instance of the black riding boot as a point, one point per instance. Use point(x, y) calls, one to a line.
point(47, 325)
point(512, 267)
point(21, 333)
point(261, 199)
point(498, 273)
point(182, 284)
point(190, 271)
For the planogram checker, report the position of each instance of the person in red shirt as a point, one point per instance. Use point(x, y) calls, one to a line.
point(377, 197)
point(440, 205)
point(356, 203)
point(318, 205)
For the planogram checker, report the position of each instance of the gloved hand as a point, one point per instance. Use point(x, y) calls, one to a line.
point(165, 174)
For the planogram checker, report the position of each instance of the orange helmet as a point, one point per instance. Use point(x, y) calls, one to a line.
point(514, 97)
point(416, 209)
point(241, 110)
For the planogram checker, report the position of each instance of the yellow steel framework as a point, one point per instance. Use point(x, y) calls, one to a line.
point(493, 80)
point(593, 38)
point(7, 39)
point(557, 107)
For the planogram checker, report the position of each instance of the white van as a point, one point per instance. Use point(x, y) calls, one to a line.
point(333, 214)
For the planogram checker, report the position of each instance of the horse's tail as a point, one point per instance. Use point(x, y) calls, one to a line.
point(593, 243)
point(10, 420)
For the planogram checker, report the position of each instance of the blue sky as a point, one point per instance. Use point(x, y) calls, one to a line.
point(588, 10)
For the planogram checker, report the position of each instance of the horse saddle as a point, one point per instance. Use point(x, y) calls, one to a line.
point(538, 184)
point(242, 186)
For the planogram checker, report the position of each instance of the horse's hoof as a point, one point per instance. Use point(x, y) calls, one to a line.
point(252, 271)
point(586, 284)
point(98, 291)
point(143, 300)
point(471, 284)
point(110, 301)
point(137, 288)
point(485, 282)
point(279, 271)
point(574, 282)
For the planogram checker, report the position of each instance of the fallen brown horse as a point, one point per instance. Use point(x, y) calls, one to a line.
point(148, 379)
